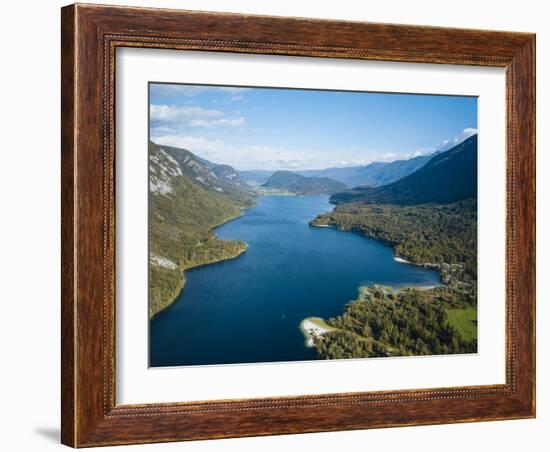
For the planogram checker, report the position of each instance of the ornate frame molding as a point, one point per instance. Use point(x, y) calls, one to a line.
point(90, 37)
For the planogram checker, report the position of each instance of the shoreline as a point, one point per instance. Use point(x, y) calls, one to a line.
point(401, 260)
point(219, 261)
point(312, 327)
point(315, 324)
point(315, 327)
point(182, 269)
point(396, 258)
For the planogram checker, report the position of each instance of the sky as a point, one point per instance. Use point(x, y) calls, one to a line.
point(296, 129)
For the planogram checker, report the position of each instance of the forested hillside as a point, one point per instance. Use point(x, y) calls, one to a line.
point(442, 236)
point(408, 322)
point(430, 219)
point(182, 212)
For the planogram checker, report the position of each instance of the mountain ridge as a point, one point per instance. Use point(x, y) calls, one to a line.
point(215, 178)
point(373, 174)
point(447, 177)
point(302, 185)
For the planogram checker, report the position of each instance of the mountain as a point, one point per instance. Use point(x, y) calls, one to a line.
point(448, 177)
point(212, 177)
point(372, 175)
point(183, 209)
point(382, 173)
point(256, 177)
point(230, 177)
point(302, 185)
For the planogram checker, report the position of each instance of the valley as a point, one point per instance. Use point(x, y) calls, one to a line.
point(405, 237)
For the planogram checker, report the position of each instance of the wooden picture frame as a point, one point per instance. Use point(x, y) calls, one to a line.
point(90, 36)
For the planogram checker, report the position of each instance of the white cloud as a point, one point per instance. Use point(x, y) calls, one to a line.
point(174, 113)
point(389, 157)
point(217, 122)
point(445, 145)
point(192, 143)
point(168, 90)
point(272, 157)
point(162, 130)
point(261, 156)
point(465, 134)
point(165, 117)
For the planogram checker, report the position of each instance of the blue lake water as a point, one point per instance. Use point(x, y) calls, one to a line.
point(249, 309)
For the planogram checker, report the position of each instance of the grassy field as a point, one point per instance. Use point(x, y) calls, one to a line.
point(465, 321)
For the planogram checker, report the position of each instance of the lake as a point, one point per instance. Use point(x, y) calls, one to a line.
point(249, 309)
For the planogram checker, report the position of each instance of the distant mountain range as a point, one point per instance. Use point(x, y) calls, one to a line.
point(256, 177)
point(302, 185)
point(374, 174)
point(442, 177)
point(447, 177)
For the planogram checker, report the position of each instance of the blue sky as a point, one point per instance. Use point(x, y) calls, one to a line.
point(263, 128)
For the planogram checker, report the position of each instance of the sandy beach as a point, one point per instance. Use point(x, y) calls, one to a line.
point(313, 326)
point(401, 260)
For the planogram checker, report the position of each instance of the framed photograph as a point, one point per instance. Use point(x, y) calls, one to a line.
point(282, 225)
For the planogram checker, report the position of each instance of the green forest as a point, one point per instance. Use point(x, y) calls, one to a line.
point(181, 217)
point(444, 235)
point(386, 322)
